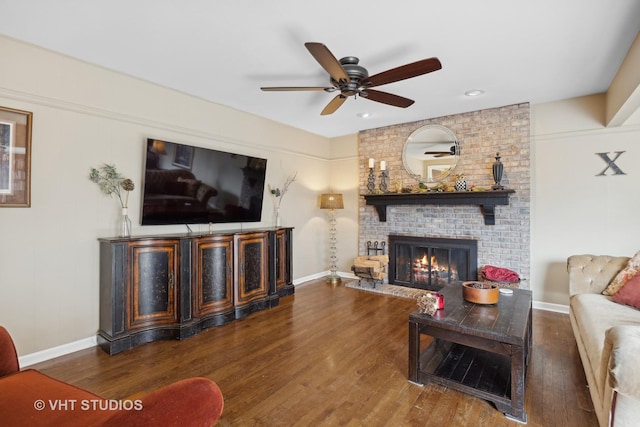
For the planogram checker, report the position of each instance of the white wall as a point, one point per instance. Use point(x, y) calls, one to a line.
point(84, 116)
point(574, 211)
point(344, 179)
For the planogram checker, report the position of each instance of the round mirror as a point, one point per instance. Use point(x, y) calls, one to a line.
point(431, 153)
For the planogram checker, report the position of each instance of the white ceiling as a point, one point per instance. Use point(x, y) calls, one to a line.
point(224, 51)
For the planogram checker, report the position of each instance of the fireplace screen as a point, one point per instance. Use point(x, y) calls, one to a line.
point(431, 263)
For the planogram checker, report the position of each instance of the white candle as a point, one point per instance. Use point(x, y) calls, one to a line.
point(371, 162)
point(383, 165)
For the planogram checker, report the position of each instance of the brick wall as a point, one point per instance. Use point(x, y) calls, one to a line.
point(481, 134)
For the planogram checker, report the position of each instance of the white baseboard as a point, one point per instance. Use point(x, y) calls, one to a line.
point(558, 308)
point(61, 350)
point(303, 280)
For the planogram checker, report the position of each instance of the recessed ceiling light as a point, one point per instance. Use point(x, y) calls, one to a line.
point(364, 115)
point(474, 92)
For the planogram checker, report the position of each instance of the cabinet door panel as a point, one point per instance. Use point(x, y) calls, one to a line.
point(252, 267)
point(153, 298)
point(281, 257)
point(213, 291)
point(280, 262)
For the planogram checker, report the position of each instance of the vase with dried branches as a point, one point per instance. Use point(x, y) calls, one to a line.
point(278, 194)
point(111, 183)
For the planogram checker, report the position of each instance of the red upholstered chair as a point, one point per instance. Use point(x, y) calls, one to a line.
point(31, 398)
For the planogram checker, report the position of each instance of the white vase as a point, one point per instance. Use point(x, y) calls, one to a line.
point(277, 221)
point(125, 223)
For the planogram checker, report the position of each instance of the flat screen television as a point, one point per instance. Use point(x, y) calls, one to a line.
point(184, 184)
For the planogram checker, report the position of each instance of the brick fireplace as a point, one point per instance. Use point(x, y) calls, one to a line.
point(481, 134)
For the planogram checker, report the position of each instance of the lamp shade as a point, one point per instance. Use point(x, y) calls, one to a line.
point(331, 201)
point(158, 147)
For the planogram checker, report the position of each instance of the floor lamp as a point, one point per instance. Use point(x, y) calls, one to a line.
point(332, 202)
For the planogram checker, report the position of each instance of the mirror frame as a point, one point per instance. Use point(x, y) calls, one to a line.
point(419, 136)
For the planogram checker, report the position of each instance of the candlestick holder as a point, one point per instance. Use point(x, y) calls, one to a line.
point(384, 181)
point(371, 182)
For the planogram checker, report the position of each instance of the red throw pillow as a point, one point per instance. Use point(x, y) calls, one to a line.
point(633, 266)
point(629, 294)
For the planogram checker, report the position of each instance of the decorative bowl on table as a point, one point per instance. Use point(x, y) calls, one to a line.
point(480, 292)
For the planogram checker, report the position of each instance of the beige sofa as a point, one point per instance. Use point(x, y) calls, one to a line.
point(608, 337)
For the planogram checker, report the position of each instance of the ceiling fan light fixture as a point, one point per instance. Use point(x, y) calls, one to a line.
point(350, 79)
point(474, 92)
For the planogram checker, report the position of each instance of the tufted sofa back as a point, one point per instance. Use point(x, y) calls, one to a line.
point(166, 181)
point(592, 273)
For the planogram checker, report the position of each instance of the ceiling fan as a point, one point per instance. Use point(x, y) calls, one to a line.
point(351, 79)
point(451, 152)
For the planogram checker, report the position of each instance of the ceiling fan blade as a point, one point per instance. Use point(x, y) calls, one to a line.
point(298, 88)
point(438, 154)
point(403, 72)
point(333, 105)
point(388, 98)
point(451, 152)
point(323, 55)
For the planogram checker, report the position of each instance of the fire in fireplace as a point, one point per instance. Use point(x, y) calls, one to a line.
point(427, 268)
point(430, 262)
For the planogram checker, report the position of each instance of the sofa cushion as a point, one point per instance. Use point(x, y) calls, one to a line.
point(191, 186)
point(595, 314)
point(624, 344)
point(176, 188)
point(632, 268)
point(629, 294)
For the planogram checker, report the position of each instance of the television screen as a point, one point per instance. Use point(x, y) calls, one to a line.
point(184, 184)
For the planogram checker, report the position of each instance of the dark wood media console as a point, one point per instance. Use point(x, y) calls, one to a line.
point(174, 286)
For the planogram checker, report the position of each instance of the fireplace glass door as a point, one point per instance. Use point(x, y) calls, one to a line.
point(431, 263)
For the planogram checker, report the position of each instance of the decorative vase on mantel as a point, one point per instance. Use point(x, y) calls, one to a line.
point(497, 169)
point(125, 223)
point(461, 182)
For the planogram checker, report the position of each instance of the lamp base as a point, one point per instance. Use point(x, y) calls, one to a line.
point(333, 279)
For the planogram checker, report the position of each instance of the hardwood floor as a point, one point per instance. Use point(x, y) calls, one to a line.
point(333, 356)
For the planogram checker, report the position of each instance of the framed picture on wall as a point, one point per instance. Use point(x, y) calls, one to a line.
point(183, 156)
point(15, 157)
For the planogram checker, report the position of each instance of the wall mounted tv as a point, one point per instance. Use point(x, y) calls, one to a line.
point(184, 184)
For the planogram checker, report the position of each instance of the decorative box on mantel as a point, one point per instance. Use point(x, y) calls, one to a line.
point(487, 200)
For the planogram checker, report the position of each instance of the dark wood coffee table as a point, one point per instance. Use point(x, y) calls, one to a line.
point(482, 350)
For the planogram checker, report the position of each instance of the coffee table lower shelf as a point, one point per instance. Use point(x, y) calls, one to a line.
point(481, 373)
